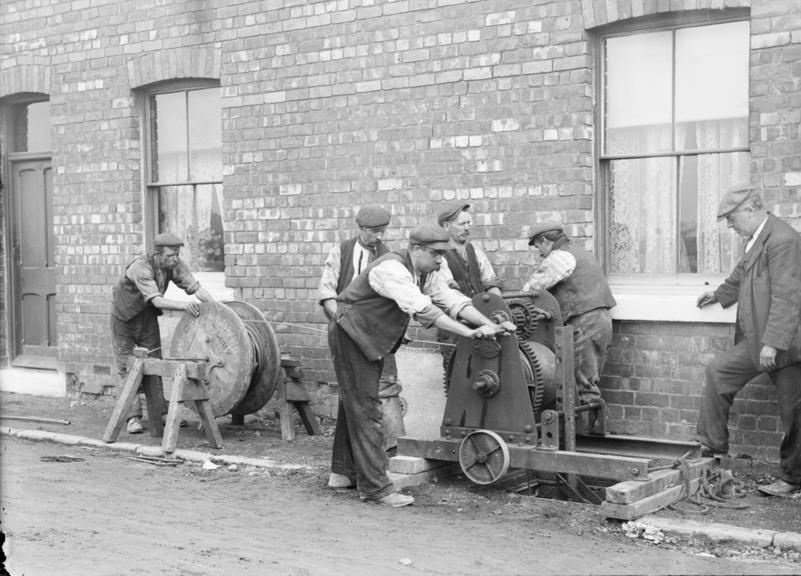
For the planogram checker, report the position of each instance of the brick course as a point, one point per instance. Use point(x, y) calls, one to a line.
point(330, 106)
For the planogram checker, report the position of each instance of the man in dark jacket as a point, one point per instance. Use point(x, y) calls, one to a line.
point(137, 302)
point(766, 286)
point(573, 276)
point(372, 315)
point(346, 261)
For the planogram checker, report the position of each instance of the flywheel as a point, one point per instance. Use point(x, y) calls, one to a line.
point(484, 456)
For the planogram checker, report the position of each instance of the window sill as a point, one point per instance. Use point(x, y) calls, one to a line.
point(214, 282)
point(667, 299)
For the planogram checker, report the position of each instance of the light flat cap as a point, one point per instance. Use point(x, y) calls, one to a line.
point(733, 199)
point(167, 239)
point(542, 228)
point(451, 212)
point(431, 236)
point(373, 217)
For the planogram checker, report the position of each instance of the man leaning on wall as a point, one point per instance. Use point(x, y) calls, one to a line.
point(766, 286)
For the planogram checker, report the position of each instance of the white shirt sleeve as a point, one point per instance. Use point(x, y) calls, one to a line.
point(556, 267)
point(330, 278)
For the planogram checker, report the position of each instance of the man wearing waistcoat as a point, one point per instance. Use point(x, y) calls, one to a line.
point(766, 286)
point(574, 278)
point(137, 302)
point(372, 315)
point(346, 261)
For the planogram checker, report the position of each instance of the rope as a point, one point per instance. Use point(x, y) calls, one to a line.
point(715, 488)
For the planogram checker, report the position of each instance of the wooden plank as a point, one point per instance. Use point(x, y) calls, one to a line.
point(129, 391)
point(310, 421)
point(295, 392)
point(630, 492)
point(170, 440)
point(647, 505)
point(154, 394)
point(285, 412)
point(166, 368)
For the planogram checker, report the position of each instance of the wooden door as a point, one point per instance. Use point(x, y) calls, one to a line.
point(33, 264)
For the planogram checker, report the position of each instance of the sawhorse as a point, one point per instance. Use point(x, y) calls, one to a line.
point(290, 394)
point(189, 384)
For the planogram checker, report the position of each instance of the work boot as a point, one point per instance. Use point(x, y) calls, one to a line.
point(338, 481)
point(395, 500)
point(135, 425)
point(392, 418)
point(779, 488)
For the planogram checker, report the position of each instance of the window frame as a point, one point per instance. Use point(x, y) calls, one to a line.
point(637, 293)
point(211, 280)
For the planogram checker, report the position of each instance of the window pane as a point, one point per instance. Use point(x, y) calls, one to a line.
point(32, 127)
point(168, 156)
point(211, 247)
point(193, 213)
point(638, 93)
point(712, 86)
point(205, 135)
point(708, 246)
point(642, 219)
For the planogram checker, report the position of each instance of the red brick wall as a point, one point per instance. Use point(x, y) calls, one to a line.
point(329, 106)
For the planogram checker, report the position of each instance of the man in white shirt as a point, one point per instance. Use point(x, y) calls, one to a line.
point(372, 315)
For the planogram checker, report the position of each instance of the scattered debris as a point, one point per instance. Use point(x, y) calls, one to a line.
point(209, 465)
point(635, 530)
point(62, 458)
point(406, 561)
point(233, 468)
point(157, 460)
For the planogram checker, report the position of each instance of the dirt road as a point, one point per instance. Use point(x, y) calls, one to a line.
point(109, 515)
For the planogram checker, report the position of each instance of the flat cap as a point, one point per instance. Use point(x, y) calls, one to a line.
point(167, 239)
point(450, 212)
point(372, 217)
point(431, 236)
point(733, 199)
point(542, 228)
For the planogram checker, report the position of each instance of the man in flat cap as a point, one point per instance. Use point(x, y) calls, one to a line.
point(573, 276)
point(766, 286)
point(137, 302)
point(467, 263)
point(346, 261)
point(372, 315)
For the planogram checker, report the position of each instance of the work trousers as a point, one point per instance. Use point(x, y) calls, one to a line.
point(593, 336)
point(725, 377)
point(359, 435)
point(141, 330)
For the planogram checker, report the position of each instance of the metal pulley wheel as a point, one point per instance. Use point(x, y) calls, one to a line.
point(484, 456)
point(242, 350)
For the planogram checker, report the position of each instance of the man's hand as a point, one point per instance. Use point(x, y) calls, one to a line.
point(767, 357)
point(706, 299)
point(484, 332)
point(330, 308)
point(507, 327)
point(193, 308)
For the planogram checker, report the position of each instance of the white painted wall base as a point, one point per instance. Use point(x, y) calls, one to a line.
point(34, 382)
point(421, 374)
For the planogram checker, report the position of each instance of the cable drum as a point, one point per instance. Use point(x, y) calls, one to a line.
point(241, 342)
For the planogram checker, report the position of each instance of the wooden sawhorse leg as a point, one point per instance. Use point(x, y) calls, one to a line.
point(129, 391)
point(188, 390)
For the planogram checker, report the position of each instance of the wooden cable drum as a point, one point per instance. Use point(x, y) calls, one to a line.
point(237, 335)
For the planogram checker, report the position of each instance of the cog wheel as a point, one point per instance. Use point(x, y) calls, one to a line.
point(534, 375)
point(524, 315)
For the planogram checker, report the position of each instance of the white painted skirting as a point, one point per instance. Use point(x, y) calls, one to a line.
point(34, 382)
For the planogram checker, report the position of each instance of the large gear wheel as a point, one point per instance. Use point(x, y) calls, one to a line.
point(534, 375)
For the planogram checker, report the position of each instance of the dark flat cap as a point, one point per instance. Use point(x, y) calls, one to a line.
point(450, 212)
point(542, 228)
point(372, 217)
point(733, 199)
point(167, 239)
point(431, 236)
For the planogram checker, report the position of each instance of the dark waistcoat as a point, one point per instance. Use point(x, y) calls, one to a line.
point(127, 300)
point(586, 288)
point(346, 249)
point(466, 274)
point(376, 324)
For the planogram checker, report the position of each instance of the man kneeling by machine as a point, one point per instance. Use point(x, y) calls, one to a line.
point(372, 315)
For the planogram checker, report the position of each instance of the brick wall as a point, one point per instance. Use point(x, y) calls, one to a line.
point(330, 106)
